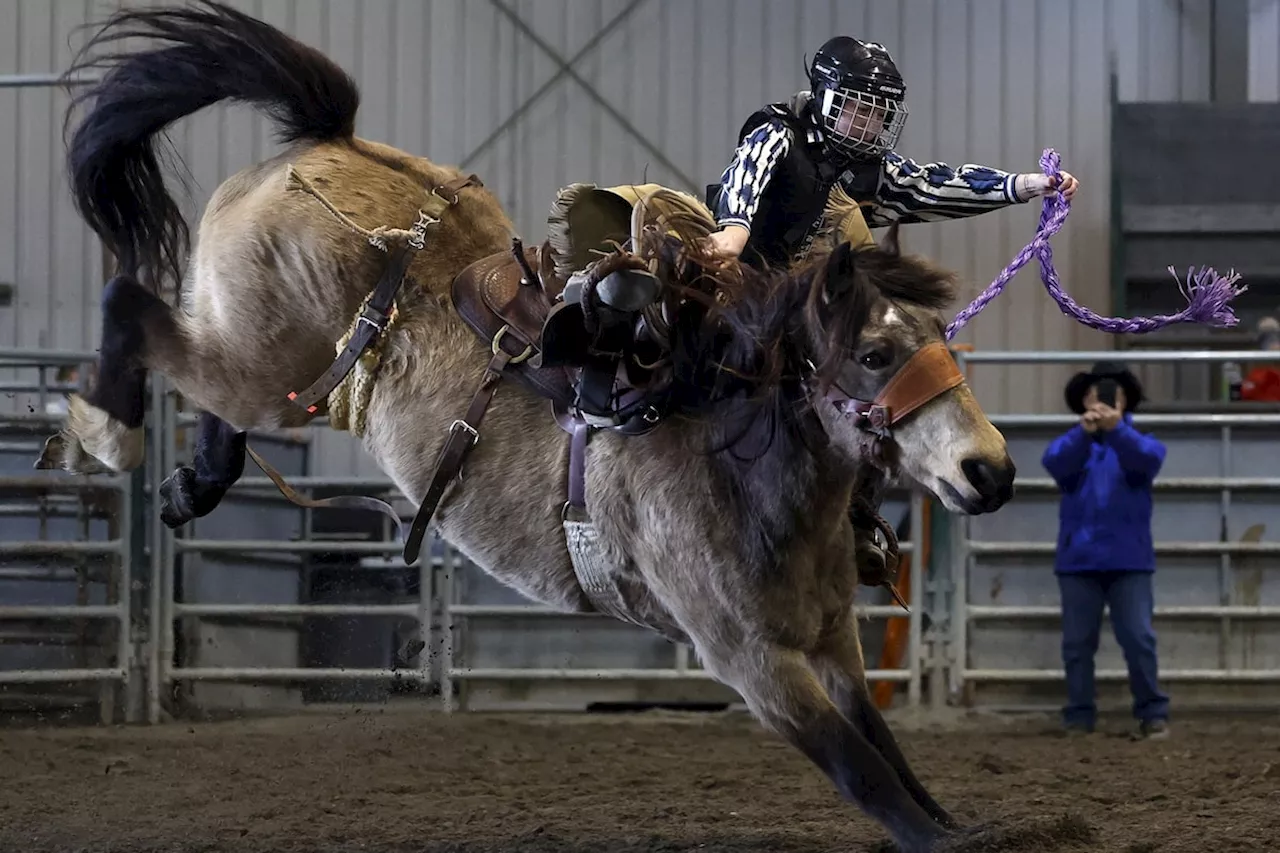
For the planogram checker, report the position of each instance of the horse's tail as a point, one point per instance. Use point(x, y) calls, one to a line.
point(202, 56)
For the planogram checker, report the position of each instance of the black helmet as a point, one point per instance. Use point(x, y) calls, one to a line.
point(854, 83)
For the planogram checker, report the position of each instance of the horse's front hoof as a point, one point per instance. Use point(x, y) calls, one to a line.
point(873, 564)
point(940, 844)
point(966, 839)
point(927, 839)
point(177, 504)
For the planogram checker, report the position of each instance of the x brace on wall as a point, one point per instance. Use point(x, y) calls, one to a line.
point(565, 69)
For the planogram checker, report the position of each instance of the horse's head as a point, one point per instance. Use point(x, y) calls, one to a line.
point(884, 382)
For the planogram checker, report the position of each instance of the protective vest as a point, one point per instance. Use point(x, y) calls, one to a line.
point(792, 205)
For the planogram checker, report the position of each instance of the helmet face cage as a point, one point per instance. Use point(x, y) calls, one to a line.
point(859, 124)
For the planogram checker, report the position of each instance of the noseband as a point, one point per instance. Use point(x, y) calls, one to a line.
point(929, 373)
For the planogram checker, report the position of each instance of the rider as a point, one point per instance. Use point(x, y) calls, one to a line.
point(772, 197)
point(842, 131)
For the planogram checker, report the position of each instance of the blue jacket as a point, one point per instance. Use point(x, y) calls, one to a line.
point(1104, 520)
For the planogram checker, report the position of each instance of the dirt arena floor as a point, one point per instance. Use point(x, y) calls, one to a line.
point(414, 780)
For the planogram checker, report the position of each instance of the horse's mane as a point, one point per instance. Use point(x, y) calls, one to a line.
point(740, 336)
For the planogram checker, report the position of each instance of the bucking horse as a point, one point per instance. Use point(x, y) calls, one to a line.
point(709, 500)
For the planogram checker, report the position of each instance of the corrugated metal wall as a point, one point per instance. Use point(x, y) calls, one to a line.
point(990, 81)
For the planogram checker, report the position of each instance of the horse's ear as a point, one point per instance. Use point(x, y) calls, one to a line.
point(889, 242)
point(840, 270)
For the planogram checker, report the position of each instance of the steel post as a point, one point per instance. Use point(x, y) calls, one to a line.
point(44, 81)
point(915, 660)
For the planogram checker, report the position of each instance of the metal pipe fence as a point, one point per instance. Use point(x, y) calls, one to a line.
point(938, 652)
point(964, 613)
point(42, 497)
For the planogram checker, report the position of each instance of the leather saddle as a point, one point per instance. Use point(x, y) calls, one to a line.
point(495, 297)
point(499, 296)
point(530, 302)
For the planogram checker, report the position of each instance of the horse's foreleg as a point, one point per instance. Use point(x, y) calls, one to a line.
point(785, 696)
point(840, 665)
point(195, 490)
point(104, 430)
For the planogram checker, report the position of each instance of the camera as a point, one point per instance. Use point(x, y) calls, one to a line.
point(1106, 392)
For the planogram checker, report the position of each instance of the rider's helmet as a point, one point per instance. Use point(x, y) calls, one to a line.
point(857, 97)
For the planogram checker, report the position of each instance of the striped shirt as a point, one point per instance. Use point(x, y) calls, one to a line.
point(905, 192)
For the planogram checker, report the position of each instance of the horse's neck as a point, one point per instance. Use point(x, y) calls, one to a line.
point(787, 489)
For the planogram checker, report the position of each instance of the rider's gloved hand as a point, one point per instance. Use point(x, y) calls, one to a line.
point(1034, 184)
point(729, 241)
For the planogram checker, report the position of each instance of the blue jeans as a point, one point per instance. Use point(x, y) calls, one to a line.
point(1131, 599)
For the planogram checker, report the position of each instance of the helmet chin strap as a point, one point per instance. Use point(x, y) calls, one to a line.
point(828, 100)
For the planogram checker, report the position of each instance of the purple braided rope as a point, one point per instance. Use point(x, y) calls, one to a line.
point(1207, 292)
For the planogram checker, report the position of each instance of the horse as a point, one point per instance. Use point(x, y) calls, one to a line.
point(724, 524)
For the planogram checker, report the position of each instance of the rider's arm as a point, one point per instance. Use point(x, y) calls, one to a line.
point(909, 192)
point(749, 172)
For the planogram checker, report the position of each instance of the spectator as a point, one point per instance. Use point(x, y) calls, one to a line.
point(1104, 468)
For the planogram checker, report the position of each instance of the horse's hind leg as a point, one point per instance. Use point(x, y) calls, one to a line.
point(840, 665)
point(785, 696)
point(104, 429)
point(195, 490)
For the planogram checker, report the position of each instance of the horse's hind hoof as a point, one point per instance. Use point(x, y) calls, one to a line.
point(177, 505)
point(63, 450)
point(54, 455)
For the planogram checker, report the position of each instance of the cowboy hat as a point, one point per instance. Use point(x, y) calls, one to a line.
point(1079, 384)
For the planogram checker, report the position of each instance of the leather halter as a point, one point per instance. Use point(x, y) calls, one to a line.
point(929, 373)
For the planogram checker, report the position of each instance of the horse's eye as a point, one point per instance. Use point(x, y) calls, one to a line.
point(874, 360)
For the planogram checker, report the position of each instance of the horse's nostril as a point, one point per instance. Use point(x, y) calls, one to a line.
point(990, 481)
point(980, 475)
